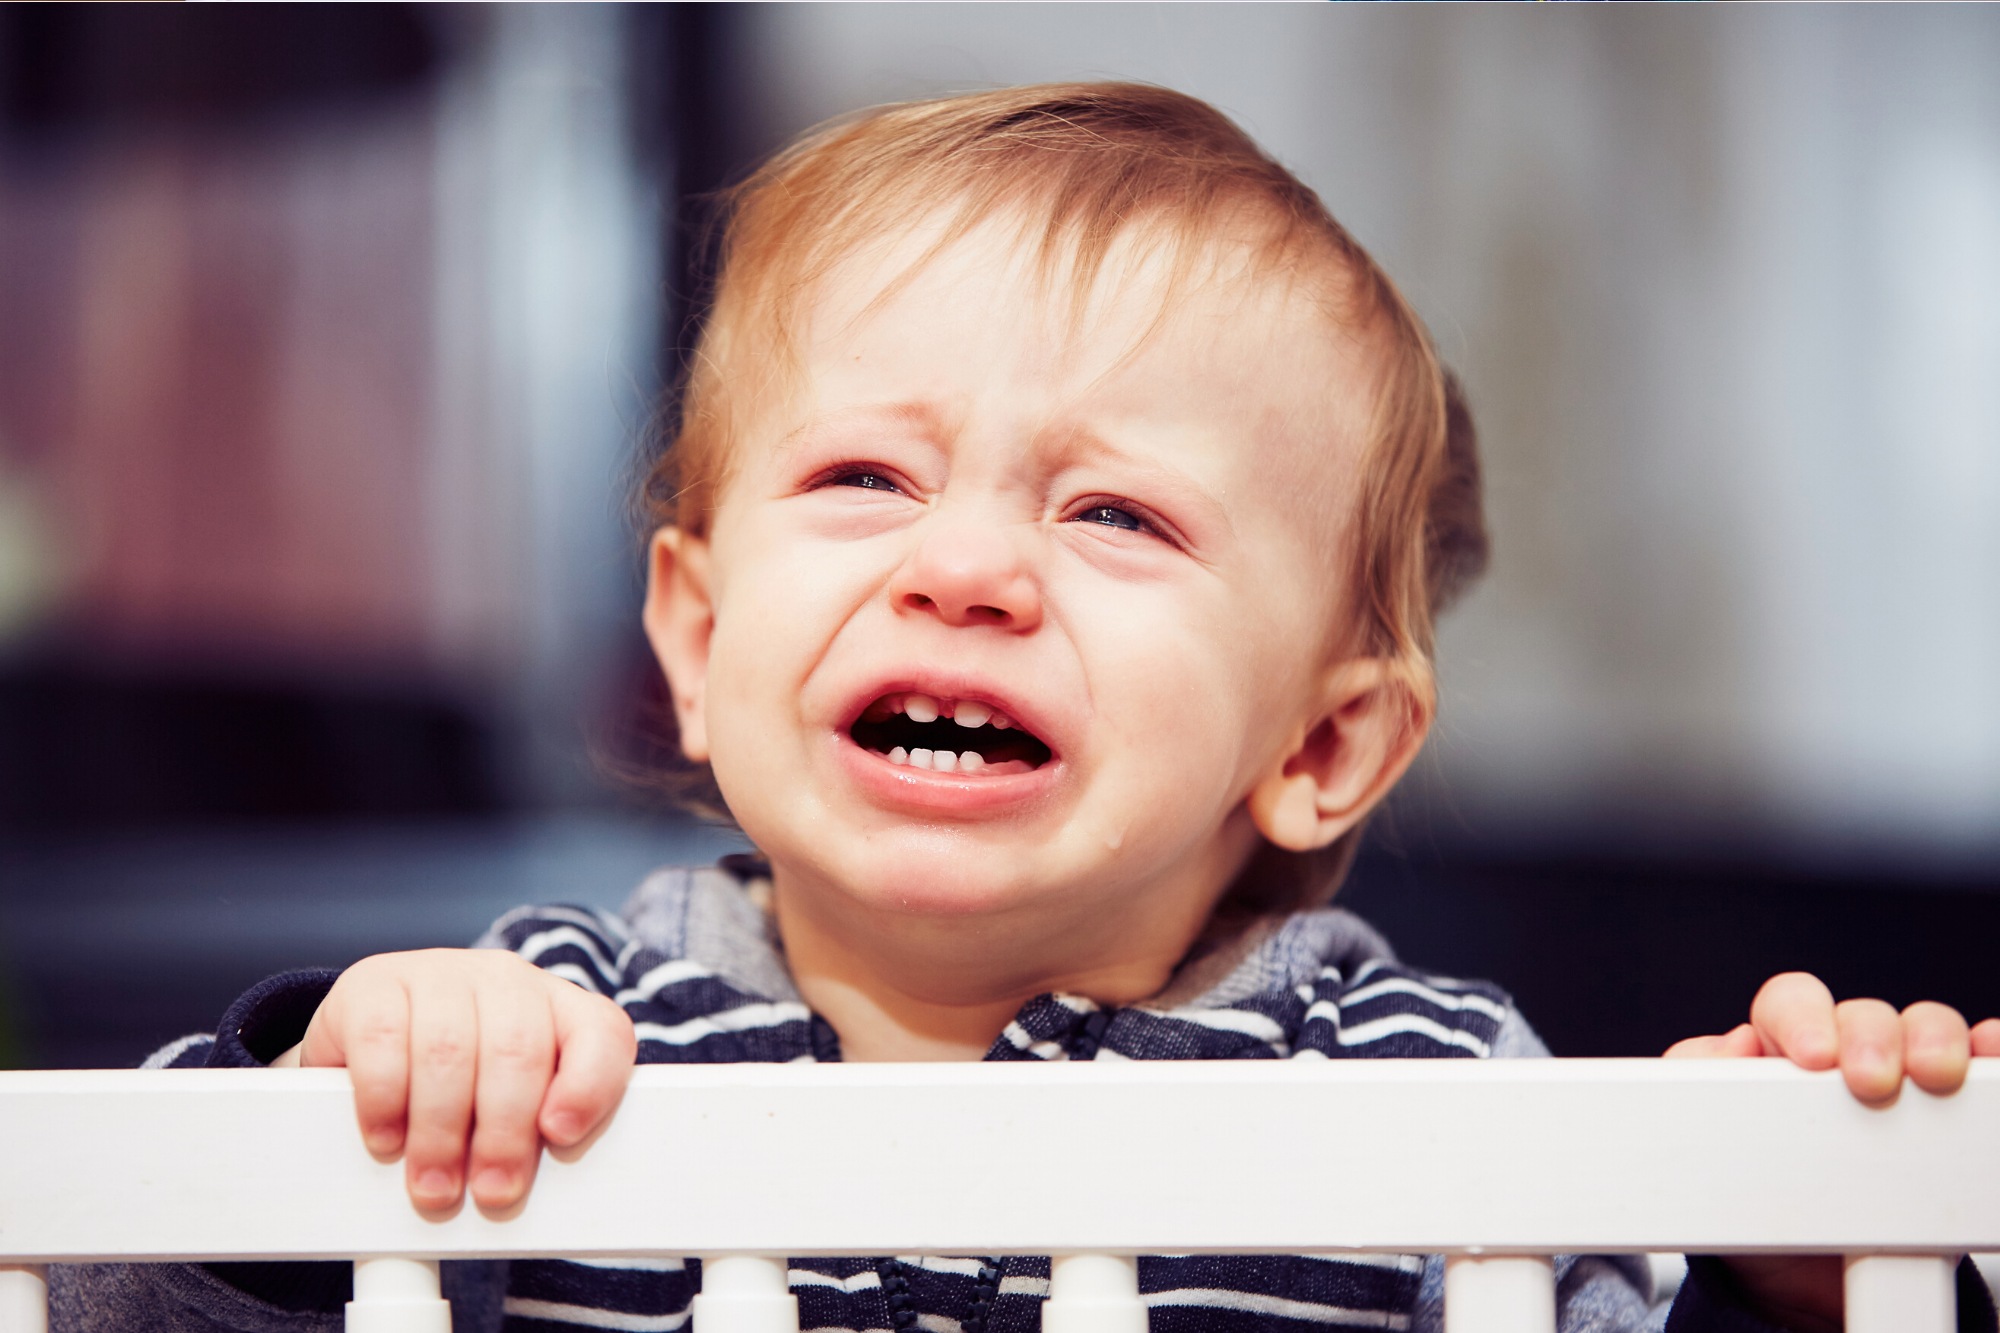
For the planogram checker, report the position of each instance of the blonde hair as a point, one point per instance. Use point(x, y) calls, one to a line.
point(1080, 167)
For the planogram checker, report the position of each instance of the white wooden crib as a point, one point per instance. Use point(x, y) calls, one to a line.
point(1495, 1164)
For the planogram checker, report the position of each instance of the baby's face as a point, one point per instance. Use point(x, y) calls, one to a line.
point(1010, 621)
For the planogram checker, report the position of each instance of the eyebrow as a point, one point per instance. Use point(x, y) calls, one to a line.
point(922, 415)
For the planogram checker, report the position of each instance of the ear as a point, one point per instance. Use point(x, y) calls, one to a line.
point(1368, 725)
point(680, 618)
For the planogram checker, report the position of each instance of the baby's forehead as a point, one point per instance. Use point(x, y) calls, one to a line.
point(1157, 321)
point(1238, 268)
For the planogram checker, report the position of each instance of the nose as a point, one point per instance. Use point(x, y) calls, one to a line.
point(966, 572)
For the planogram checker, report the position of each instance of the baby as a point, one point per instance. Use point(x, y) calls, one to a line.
point(1045, 571)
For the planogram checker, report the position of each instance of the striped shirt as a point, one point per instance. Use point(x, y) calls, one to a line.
point(695, 961)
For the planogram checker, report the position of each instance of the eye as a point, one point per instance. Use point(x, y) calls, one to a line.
point(868, 481)
point(1111, 516)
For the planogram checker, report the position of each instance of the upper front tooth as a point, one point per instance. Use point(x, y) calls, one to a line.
point(971, 715)
point(920, 707)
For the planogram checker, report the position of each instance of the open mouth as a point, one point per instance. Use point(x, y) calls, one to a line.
point(947, 736)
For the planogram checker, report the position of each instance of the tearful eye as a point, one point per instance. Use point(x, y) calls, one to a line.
point(1111, 517)
point(867, 481)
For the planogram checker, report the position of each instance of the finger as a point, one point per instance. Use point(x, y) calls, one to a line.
point(322, 1046)
point(1871, 1049)
point(444, 1043)
point(1793, 1015)
point(1737, 1043)
point(366, 1026)
point(516, 1058)
point(596, 1048)
point(1937, 1046)
point(1986, 1038)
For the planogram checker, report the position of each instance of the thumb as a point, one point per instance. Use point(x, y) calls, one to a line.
point(1738, 1043)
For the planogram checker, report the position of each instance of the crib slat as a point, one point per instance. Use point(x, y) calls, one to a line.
point(1507, 1294)
point(745, 1293)
point(1094, 1293)
point(1901, 1293)
point(24, 1299)
point(397, 1296)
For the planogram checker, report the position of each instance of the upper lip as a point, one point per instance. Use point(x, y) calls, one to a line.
point(957, 687)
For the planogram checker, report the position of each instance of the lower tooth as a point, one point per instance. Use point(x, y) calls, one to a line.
point(920, 759)
point(944, 761)
point(970, 762)
point(899, 756)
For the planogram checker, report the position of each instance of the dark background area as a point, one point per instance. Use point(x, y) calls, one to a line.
point(182, 815)
point(1627, 955)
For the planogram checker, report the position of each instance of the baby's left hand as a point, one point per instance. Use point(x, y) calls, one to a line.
point(1794, 1016)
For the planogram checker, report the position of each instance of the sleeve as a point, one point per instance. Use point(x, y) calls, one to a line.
point(269, 1019)
point(265, 1021)
point(1516, 1040)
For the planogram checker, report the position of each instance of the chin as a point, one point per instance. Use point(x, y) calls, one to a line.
point(961, 881)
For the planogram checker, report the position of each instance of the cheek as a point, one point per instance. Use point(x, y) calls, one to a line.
point(785, 604)
point(1205, 690)
point(1174, 704)
point(765, 626)
point(758, 745)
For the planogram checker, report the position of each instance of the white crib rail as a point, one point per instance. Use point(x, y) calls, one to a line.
point(1497, 1165)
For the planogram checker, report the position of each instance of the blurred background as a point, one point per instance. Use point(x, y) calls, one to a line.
point(330, 338)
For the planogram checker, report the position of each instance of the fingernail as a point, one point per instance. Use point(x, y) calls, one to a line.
point(494, 1183)
point(437, 1183)
point(564, 1127)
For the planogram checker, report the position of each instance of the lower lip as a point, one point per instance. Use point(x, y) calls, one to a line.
point(939, 793)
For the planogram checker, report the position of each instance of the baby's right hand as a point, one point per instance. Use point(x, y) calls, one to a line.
point(466, 1060)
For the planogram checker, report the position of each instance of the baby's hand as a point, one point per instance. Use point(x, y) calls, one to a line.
point(1794, 1016)
point(466, 1060)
